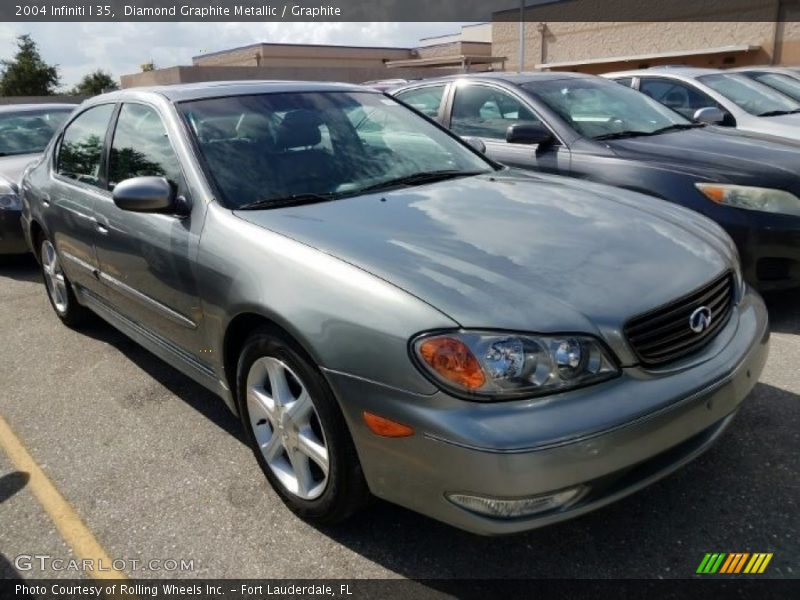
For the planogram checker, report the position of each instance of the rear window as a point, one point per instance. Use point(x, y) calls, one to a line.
point(29, 132)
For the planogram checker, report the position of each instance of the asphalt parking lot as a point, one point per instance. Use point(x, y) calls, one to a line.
point(156, 468)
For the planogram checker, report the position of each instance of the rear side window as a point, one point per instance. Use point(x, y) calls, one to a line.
point(81, 150)
point(141, 148)
point(426, 100)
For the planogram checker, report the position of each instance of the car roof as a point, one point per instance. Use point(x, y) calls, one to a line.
point(215, 89)
point(508, 76)
point(675, 72)
point(35, 107)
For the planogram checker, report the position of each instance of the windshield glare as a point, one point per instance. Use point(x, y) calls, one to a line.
point(29, 132)
point(783, 83)
point(747, 94)
point(597, 108)
point(278, 146)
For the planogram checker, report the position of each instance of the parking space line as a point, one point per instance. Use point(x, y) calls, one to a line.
point(72, 529)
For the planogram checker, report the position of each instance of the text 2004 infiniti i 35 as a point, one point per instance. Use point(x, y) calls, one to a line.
point(388, 311)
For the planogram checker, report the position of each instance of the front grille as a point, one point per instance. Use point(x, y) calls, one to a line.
point(664, 334)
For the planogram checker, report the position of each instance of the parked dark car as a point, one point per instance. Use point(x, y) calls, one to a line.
point(25, 130)
point(390, 312)
point(593, 128)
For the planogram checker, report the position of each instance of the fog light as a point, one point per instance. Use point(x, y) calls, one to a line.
point(510, 508)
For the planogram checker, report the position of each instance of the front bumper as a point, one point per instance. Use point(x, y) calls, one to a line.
point(12, 239)
point(614, 438)
point(769, 247)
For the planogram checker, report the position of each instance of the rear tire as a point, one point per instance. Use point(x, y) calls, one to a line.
point(59, 289)
point(297, 431)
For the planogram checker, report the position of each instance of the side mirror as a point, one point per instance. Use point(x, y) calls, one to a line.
point(144, 194)
point(710, 115)
point(476, 143)
point(528, 133)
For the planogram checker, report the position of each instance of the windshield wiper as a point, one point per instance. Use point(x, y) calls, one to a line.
point(778, 113)
point(618, 135)
point(291, 200)
point(420, 178)
point(677, 127)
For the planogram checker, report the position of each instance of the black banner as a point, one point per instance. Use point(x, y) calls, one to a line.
point(718, 11)
point(341, 589)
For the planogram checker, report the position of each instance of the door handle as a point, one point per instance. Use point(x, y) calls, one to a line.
point(101, 228)
point(46, 200)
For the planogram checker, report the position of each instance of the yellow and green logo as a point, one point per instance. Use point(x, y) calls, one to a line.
point(734, 563)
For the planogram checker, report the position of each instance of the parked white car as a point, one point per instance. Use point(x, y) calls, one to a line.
point(740, 101)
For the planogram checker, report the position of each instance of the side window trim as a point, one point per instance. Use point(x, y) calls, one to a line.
point(519, 98)
point(113, 130)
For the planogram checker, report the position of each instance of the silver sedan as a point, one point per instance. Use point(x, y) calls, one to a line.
point(391, 313)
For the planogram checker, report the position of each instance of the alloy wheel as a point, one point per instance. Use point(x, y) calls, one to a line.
point(287, 428)
point(54, 277)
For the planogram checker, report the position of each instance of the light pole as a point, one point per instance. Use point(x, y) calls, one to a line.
point(521, 36)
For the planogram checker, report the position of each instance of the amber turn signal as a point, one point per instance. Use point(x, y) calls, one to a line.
point(454, 361)
point(386, 428)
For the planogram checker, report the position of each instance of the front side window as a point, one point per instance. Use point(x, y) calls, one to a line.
point(81, 150)
point(676, 95)
point(29, 132)
point(751, 96)
point(599, 108)
point(281, 147)
point(427, 100)
point(487, 112)
point(141, 148)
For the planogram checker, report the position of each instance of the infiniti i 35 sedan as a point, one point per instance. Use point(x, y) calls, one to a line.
point(590, 128)
point(25, 130)
point(391, 313)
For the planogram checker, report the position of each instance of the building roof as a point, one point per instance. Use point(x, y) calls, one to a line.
point(651, 56)
point(290, 45)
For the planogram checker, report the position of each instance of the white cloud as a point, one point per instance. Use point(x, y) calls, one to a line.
point(79, 48)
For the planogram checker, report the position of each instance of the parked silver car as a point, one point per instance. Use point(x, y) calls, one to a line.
point(388, 311)
point(25, 130)
point(737, 100)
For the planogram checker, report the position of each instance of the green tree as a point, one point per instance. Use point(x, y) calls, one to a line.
point(95, 83)
point(27, 74)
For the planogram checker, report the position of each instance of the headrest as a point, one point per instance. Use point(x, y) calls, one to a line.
point(299, 129)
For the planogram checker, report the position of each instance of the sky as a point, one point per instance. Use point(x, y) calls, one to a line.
point(79, 48)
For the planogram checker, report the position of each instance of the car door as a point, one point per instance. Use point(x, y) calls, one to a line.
point(485, 111)
point(76, 184)
point(147, 259)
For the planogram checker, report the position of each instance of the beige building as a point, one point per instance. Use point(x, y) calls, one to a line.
point(468, 50)
point(712, 33)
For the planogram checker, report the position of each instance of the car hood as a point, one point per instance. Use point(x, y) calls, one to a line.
point(716, 151)
point(787, 126)
point(12, 167)
point(517, 250)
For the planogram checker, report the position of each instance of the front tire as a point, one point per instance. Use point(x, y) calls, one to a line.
point(59, 288)
point(296, 430)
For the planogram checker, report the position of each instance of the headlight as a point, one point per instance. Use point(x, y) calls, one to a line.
point(504, 365)
point(10, 201)
point(751, 198)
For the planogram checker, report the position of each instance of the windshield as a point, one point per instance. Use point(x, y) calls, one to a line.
point(783, 83)
point(598, 108)
point(28, 132)
point(278, 147)
point(749, 95)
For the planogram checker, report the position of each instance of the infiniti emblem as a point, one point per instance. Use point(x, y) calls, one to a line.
point(700, 319)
